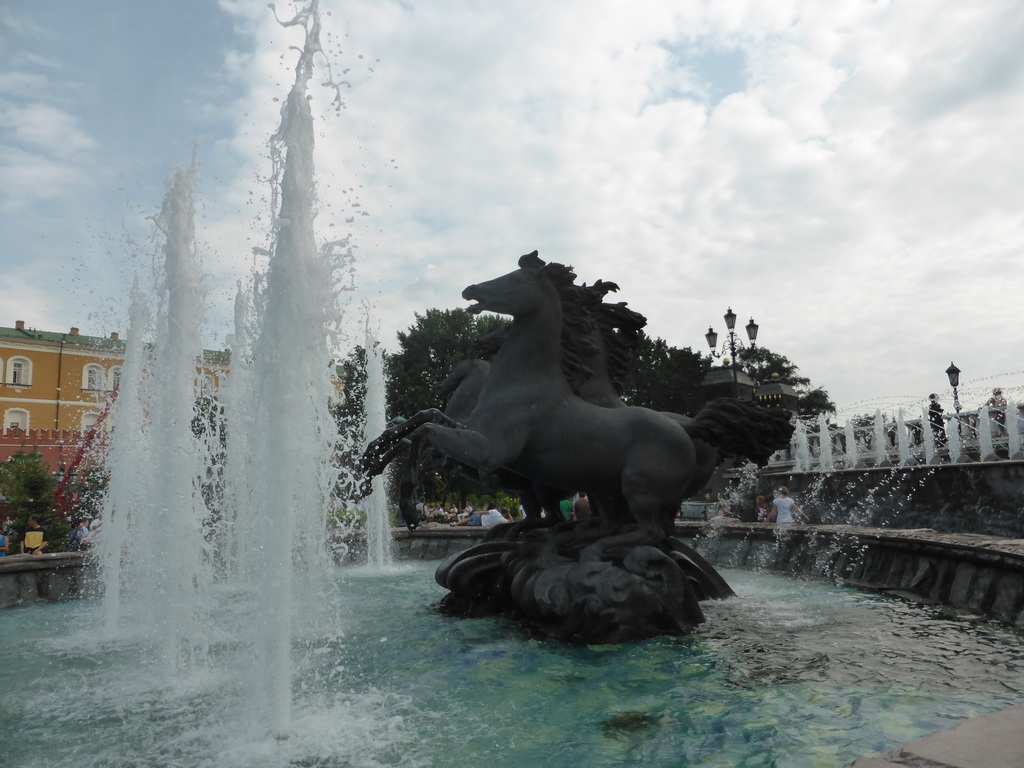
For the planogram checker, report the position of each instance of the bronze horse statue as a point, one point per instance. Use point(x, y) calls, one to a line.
point(462, 388)
point(622, 575)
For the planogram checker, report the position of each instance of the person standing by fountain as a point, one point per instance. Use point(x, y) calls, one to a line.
point(785, 507)
point(762, 512)
point(935, 419)
point(581, 507)
point(998, 403)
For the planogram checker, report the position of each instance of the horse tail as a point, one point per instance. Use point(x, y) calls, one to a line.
point(742, 428)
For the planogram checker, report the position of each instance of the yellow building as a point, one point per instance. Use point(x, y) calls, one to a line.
point(63, 381)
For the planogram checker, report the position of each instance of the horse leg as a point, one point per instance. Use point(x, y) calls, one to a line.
point(384, 448)
point(645, 508)
point(406, 491)
point(474, 449)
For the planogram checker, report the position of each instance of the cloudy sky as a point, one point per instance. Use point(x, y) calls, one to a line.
point(848, 173)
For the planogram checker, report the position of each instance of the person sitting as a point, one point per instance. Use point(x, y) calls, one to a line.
point(33, 542)
point(95, 529)
point(78, 536)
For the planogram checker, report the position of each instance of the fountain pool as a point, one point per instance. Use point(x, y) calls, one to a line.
point(788, 673)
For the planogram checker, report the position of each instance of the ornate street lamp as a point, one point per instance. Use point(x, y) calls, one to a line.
point(730, 324)
point(954, 381)
point(738, 385)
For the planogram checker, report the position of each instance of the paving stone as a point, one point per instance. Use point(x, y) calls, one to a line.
point(992, 741)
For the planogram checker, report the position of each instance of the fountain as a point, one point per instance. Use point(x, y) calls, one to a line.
point(234, 511)
point(226, 635)
point(825, 460)
point(378, 516)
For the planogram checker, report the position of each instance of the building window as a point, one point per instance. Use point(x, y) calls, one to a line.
point(93, 378)
point(16, 418)
point(19, 372)
point(115, 377)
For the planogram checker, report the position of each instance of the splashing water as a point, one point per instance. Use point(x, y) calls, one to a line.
point(902, 439)
point(825, 460)
point(852, 453)
point(378, 524)
point(209, 517)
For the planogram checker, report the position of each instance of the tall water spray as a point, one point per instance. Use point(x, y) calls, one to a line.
point(210, 515)
point(985, 426)
point(931, 453)
point(159, 567)
point(1013, 426)
point(289, 478)
point(903, 439)
point(852, 454)
point(881, 459)
point(802, 457)
point(825, 460)
point(378, 544)
point(953, 439)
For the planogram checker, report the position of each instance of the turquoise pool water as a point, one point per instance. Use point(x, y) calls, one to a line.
point(787, 674)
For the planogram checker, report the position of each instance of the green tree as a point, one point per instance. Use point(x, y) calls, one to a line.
point(29, 485)
point(761, 364)
point(350, 414)
point(665, 378)
point(428, 351)
point(87, 490)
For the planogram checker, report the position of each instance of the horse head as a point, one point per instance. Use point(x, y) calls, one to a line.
point(520, 292)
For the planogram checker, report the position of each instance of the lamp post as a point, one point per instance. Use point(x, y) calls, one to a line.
point(730, 325)
point(739, 383)
point(954, 381)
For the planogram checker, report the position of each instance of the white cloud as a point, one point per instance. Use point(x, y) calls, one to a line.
point(30, 177)
point(849, 175)
point(45, 127)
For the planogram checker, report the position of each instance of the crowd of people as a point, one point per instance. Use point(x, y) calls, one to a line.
point(32, 538)
point(490, 513)
point(782, 510)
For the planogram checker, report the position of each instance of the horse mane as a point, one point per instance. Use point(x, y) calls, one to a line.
point(578, 324)
point(619, 327)
point(585, 313)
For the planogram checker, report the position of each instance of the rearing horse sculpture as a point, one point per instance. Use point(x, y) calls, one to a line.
point(529, 420)
point(621, 576)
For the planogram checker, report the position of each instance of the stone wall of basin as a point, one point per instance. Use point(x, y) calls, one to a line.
point(985, 498)
point(983, 575)
point(32, 579)
point(980, 574)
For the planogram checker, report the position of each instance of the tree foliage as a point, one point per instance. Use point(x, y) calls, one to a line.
point(665, 378)
point(350, 415)
point(29, 485)
point(428, 351)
